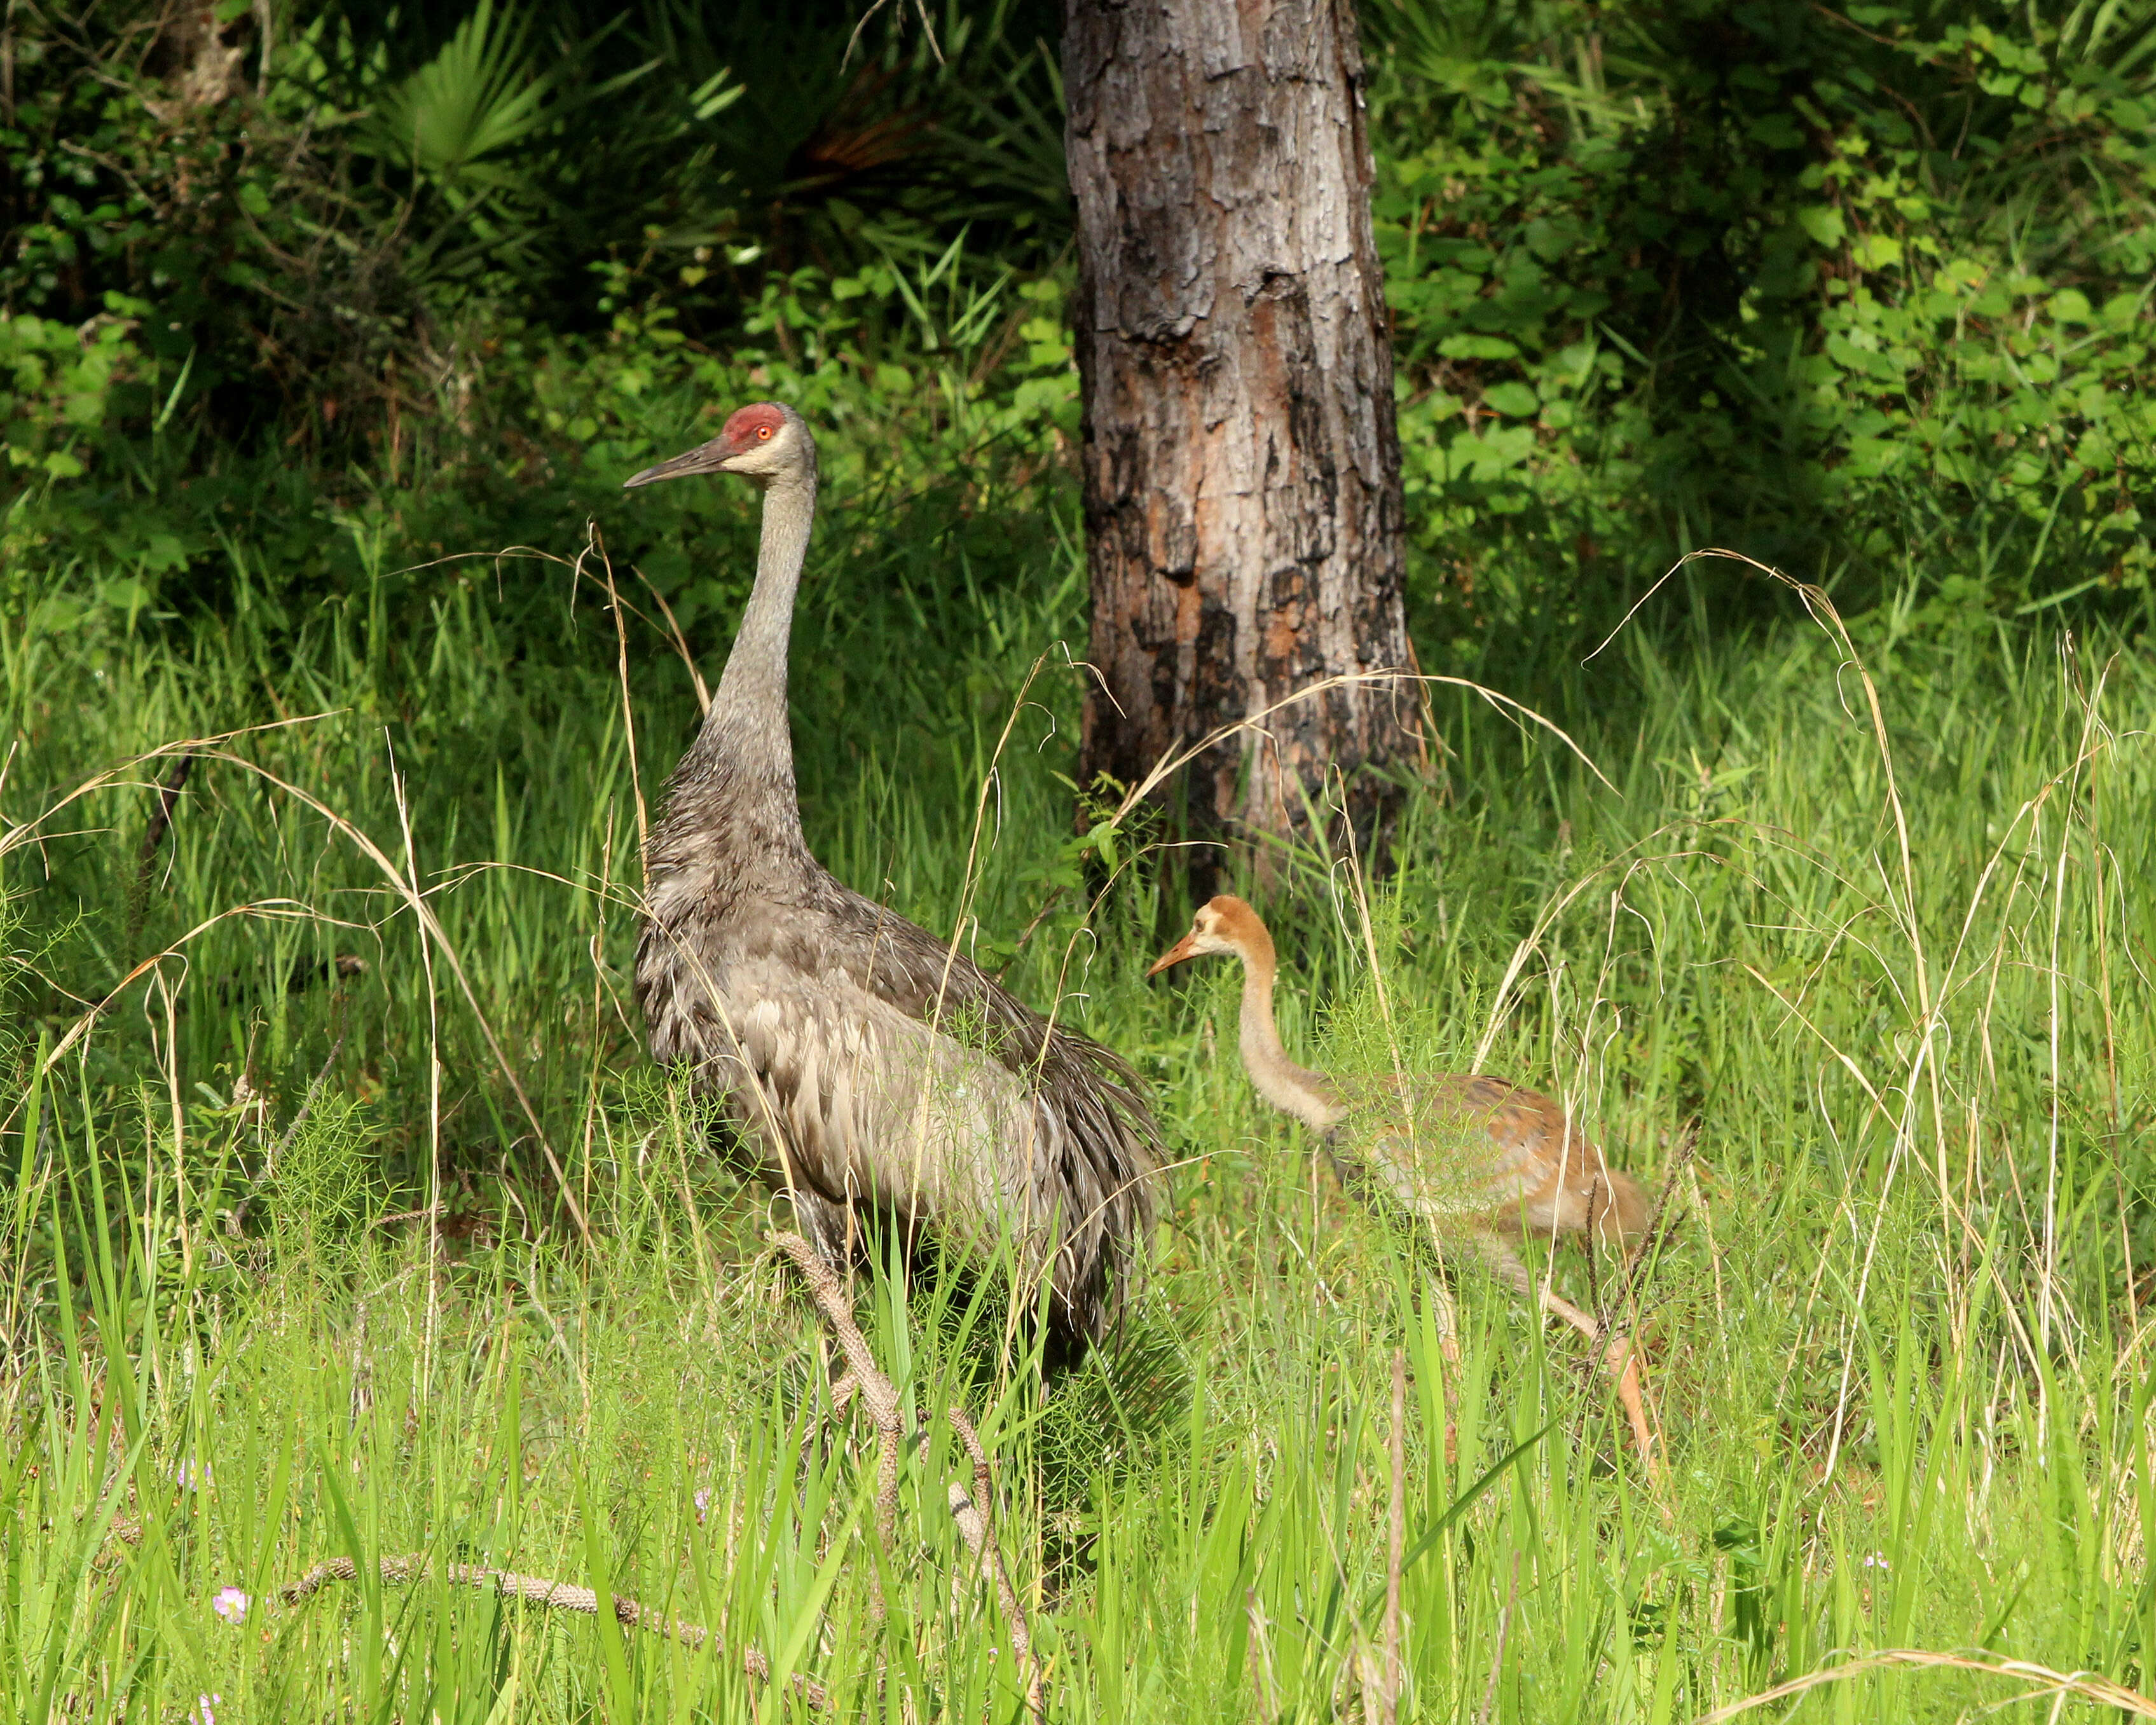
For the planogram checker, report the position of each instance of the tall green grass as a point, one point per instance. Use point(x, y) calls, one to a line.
point(1892, 966)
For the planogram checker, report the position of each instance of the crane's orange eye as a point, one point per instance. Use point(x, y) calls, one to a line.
point(762, 433)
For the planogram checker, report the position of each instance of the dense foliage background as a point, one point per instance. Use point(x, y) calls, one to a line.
point(1864, 294)
point(342, 1213)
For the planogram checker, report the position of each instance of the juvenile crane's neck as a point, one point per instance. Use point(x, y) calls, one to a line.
point(1308, 1095)
point(746, 735)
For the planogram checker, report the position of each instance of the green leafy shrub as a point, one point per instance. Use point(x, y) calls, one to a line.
point(1823, 286)
point(1865, 296)
point(377, 265)
point(58, 384)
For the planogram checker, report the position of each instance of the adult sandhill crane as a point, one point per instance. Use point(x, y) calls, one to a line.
point(1480, 1159)
point(864, 1062)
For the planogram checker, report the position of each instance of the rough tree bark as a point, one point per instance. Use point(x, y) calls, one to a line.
point(1242, 469)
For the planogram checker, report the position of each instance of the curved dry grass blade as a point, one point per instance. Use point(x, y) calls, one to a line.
point(270, 909)
point(2042, 1681)
point(409, 891)
point(26, 832)
point(1176, 759)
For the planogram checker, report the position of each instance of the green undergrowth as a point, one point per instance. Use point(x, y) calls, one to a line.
point(1863, 291)
point(1883, 968)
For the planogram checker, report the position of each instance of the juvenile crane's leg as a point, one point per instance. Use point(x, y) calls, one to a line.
point(1357, 1181)
point(1447, 1317)
point(1617, 1354)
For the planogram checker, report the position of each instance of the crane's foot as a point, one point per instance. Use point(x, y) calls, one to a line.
point(1624, 1365)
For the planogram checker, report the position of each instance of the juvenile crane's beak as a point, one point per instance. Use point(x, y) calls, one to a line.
point(1187, 947)
point(704, 458)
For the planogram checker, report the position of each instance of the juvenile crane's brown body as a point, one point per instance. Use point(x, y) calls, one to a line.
point(1481, 1160)
point(864, 1062)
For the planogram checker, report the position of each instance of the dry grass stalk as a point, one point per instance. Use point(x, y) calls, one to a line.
point(1175, 760)
point(430, 925)
point(406, 887)
point(153, 837)
point(594, 545)
point(1396, 1539)
point(1497, 1653)
point(2042, 1681)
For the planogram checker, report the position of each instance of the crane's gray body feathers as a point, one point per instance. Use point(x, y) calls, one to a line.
point(864, 1062)
point(867, 1064)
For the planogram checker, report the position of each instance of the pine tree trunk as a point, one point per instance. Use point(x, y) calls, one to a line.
point(1242, 468)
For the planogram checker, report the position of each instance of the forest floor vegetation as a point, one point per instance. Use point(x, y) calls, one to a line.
point(344, 1218)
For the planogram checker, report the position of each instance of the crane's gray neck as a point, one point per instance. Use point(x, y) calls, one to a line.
point(744, 736)
point(1294, 1090)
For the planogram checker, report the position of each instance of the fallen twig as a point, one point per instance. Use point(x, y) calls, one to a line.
point(539, 1590)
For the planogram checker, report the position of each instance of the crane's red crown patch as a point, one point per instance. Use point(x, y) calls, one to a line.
point(757, 423)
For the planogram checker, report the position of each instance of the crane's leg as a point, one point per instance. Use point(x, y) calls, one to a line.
point(1447, 1317)
point(1617, 1354)
point(828, 1227)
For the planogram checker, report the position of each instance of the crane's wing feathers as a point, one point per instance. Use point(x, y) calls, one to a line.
point(1481, 1147)
point(902, 963)
point(871, 1064)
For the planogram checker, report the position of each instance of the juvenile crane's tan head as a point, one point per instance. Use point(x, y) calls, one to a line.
point(763, 442)
point(1224, 924)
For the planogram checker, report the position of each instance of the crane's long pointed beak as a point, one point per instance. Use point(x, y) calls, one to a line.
point(1187, 947)
point(704, 458)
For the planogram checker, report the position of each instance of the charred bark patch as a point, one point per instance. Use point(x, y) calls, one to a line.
point(1241, 463)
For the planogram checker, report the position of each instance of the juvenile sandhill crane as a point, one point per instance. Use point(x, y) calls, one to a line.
point(1480, 1159)
point(864, 1062)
